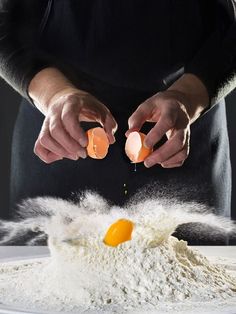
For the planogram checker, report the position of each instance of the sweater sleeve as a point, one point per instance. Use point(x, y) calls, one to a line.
point(20, 57)
point(215, 62)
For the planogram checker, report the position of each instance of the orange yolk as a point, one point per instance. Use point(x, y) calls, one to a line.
point(119, 232)
point(135, 149)
point(98, 143)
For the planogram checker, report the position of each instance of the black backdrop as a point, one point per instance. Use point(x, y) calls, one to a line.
point(8, 110)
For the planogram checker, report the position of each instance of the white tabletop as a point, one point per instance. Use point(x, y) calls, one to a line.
point(8, 253)
point(24, 252)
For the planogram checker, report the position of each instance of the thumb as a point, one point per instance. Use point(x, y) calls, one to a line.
point(138, 118)
point(110, 126)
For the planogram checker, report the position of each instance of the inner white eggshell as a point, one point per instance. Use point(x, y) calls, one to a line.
point(133, 145)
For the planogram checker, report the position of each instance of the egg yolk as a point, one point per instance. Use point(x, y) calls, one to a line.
point(119, 232)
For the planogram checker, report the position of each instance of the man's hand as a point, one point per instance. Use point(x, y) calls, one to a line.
point(64, 106)
point(172, 119)
point(172, 111)
point(61, 134)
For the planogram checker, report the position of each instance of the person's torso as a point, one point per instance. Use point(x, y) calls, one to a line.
point(135, 44)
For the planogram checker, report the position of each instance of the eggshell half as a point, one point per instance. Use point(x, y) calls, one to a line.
point(98, 143)
point(135, 149)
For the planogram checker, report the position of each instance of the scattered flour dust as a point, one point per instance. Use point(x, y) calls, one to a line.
point(152, 273)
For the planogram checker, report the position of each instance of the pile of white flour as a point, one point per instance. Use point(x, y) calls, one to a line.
point(154, 271)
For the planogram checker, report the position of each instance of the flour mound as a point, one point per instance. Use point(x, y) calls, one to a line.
point(134, 274)
point(154, 269)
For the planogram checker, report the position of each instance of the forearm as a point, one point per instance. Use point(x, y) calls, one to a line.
point(215, 61)
point(20, 56)
point(46, 84)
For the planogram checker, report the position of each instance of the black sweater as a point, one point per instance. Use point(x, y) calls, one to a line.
point(22, 23)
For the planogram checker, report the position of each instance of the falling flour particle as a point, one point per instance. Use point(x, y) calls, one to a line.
point(154, 271)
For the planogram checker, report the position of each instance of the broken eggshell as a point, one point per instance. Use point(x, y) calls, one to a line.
point(98, 143)
point(135, 149)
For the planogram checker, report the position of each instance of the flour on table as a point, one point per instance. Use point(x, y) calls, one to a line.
point(154, 271)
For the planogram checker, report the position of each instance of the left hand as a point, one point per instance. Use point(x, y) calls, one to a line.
point(172, 119)
point(172, 111)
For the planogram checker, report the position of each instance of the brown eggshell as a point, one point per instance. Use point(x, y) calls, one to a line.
point(135, 149)
point(98, 143)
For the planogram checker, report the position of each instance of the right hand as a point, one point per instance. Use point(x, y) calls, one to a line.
point(61, 135)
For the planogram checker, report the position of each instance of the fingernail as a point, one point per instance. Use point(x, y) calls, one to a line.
point(73, 157)
point(147, 164)
point(112, 139)
point(83, 154)
point(84, 142)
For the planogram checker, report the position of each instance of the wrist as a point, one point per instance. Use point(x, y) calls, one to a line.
point(192, 93)
point(64, 93)
point(45, 85)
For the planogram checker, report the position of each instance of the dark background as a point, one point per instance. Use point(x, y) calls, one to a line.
point(8, 110)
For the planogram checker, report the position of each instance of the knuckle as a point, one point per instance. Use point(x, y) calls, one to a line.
point(131, 121)
point(143, 110)
point(71, 99)
point(44, 139)
point(141, 107)
point(183, 154)
point(169, 121)
point(113, 128)
point(36, 150)
point(66, 115)
point(53, 111)
point(109, 129)
point(112, 122)
point(54, 129)
point(41, 156)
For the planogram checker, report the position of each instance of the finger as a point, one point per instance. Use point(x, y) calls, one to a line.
point(170, 148)
point(179, 164)
point(58, 132)
point(165, 123)
point(178, 158)
point(105, 118)
point(110, 126)
point(139, 117)
point(44, 154)
point(70, 122)
point(51, 144)
point(101, 115)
